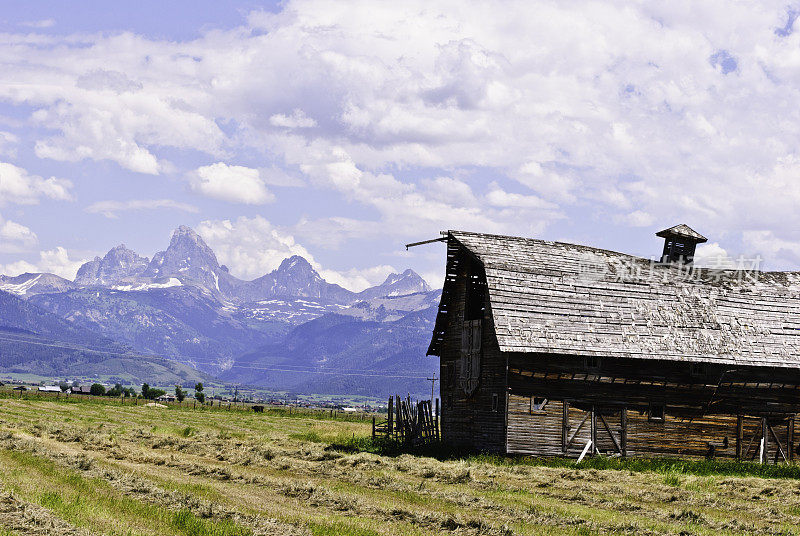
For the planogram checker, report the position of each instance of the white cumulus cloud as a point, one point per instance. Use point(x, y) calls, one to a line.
point(689, 114)
point(252, 247)
point(19, 186)
point(636, 218)
point(55, 261)
point(297, 119)
point(236, 184)
point(15, 237)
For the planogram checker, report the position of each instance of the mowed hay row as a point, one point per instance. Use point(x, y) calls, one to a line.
point(141, 470)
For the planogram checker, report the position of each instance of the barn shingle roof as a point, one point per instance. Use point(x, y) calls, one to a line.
point(684, 231)
point(558, 298)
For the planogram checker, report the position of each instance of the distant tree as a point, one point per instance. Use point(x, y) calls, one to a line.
point(64, 386)
point(115, 391)
point(198, 392)
point(154, 393)
point(97, 389)
point(145, 390)
point(129, 391)
point(180, 394)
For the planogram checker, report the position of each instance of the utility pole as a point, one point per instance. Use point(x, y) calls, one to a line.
point(433, 383)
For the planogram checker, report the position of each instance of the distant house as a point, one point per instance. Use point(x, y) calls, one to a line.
point(20, 388)
point(556, 349)
point(166, 398)
point(50, 389)
point(82, 390)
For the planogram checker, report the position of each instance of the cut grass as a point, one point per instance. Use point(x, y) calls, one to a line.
point(667, 466)
point(321, 476)
point(93, 504)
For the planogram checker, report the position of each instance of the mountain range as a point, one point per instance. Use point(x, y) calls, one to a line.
point(183, 305)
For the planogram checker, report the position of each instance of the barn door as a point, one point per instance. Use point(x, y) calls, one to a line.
point(594, 430)
point(765, 440)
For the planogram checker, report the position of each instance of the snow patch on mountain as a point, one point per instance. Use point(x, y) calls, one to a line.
point(171, 282)
point(20, 289)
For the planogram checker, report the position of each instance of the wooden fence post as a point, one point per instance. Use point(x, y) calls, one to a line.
point(594, 432)
point(764, 440)
point(399, 427)
point(390, 418)
point(623, 421)
point(790, 438)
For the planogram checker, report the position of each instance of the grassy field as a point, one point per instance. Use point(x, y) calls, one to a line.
point(93, 468)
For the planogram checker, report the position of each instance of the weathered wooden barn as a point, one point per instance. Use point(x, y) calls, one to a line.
point(558, 349)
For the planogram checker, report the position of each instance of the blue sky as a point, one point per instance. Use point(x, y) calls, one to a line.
point(342, 130)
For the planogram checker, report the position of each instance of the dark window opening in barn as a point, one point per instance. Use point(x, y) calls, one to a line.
point(473, 306)
point(592, 363)
point(698, 370)
point(538, 404)
point(655, 413)
point(495, 401)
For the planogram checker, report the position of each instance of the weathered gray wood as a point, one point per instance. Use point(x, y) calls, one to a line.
point(578, 429)
point(542, 314)
point(436, 421)
point(390, 417)
point(555, 297)
point(739, 437)
point(610, 433)
point(778, 445)
point(564, 426)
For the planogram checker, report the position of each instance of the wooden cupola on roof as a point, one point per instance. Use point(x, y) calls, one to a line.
point(680, 242)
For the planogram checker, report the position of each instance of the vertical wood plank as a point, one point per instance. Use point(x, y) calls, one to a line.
point(593, 431)
point(739, 437)
point(564, 425)
point(436, 422)
point(398, 425)
point(623, 432)
point(390, 419)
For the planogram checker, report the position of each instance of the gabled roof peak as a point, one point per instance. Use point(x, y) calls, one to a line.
point(683, 230)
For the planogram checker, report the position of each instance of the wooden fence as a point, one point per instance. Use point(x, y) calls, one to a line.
point(409, 422)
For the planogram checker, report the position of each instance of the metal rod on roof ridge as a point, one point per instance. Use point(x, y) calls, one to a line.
point(441, 239)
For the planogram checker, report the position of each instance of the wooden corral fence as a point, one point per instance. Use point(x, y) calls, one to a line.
point(409, 422)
